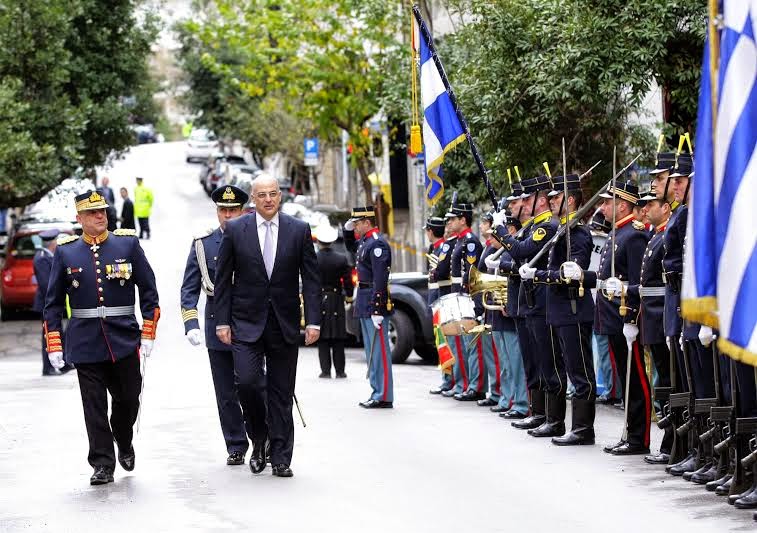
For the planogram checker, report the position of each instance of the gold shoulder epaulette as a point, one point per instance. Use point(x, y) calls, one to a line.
point(125, 232)
point(204, 233)
point(65, 239)
point(638, 225)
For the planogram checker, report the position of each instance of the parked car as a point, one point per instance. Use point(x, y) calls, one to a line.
point(145, 133)
point(218, 174)
point(201, 145)
point(208, 166)
point(410, 326)
point(17, 282)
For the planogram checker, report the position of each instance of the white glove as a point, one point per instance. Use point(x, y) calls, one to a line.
point(377, 320)
point(613, 287)
point(56, 359)
point(527, 272)
point(193, 336)
point(571, 270)
point(492, 262)
point(146, 347)
point(349, 225)
point(630, 332)
point(499, 218)
point(706, 335)
point(680, 341)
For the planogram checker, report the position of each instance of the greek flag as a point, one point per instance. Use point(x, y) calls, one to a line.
point(442, 130)
point(720, 266)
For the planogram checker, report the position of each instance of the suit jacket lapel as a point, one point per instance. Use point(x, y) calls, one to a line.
point(251, 228)
point(283, 227)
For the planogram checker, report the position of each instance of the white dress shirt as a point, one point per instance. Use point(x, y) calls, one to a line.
point(260, 221)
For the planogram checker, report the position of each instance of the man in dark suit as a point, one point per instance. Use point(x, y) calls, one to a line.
point(198, 277)
point(127, 211)
point(263, 255)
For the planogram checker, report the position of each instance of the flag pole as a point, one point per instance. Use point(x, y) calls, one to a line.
point(426, 34)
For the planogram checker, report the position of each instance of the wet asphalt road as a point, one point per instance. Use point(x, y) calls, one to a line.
point(431, 464)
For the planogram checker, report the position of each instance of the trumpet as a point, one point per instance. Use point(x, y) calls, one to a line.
point(488, 285)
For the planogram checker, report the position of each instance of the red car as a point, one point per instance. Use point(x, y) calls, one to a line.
point(17, 283)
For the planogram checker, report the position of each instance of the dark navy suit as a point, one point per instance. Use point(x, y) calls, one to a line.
point(631, 240)
point(221, 359)
point(264, 316)
point(573, 327)
point(43, 264)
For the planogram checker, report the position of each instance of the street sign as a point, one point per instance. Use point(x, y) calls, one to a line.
point(311, 152)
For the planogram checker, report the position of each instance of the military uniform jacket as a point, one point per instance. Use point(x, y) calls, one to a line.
point(374, 264)
point(672, 265)
point(539, 232)
point(651, 328)
point(498, 320)
point(336, 285)
point(467, 253)
point(559, 293)
point(442, 274)
point(516, 298)
point(193, 284)
point(630, 242)
point(43, 263)
point(433, 292)
point(94, 272)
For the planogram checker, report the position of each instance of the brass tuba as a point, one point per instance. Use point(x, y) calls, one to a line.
point(488, 285)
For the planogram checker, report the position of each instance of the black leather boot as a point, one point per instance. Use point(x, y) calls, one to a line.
point(538, 412)
point(719, 467)
point(692, 459)
point(582, 430)
point(704, 450)
point(554, 426)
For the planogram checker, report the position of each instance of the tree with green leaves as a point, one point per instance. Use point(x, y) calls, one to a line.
point(66, 69)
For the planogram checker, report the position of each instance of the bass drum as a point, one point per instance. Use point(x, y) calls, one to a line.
point(456, 313)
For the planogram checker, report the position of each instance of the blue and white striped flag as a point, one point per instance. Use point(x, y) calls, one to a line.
point(720, 266)
point(442, 129)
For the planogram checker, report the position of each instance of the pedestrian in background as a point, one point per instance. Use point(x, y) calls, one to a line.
point(336, 289)
point(142, 208)
point(107, 192)
point(110, 211)
point(43, 264)
point(127, 211)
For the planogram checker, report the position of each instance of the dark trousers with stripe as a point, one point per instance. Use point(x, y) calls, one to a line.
point(266, 371)
point(639, 408)
point(575, 345)
point(123, 381)
point(227, 400)
point(549, 360)
point(527, 350)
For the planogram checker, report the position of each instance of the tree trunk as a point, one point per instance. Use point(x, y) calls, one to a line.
point(362, 170)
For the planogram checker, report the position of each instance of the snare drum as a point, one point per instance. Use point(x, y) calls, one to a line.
point(457, 314)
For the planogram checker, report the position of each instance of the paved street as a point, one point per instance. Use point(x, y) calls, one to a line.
point(431, 464)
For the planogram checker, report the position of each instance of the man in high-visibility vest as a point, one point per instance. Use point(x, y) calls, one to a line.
point(143, 208)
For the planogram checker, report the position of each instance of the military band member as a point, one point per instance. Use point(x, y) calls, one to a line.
point(492, 319)
point(467, 253)
point(570, 313)
point(616, 310)
point(651, 291)
point(99, 272)
point(199, 275)
point(458, 379)
point(373, 304)
point(545, 370)
point(336, 288)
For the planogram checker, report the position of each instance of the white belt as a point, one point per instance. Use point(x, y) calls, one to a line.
point(457, 280)
point(445, 283)
point(651, 291)
point(601, 284)
point(103, 311)
point(433, 286)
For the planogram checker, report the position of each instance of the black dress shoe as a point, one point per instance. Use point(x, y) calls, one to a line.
point(630, 449)
point(607, 400)
point(376, 404)
point(341, 375)
point(512, 414)
point(548, 429)
point(530, 422)
point(282, 470)
point(326, 375)
point(685, 466)
point(713, 485)
point(126, 459)
point(498, 409)
point(470, 396)
point(702, 478)
point(486, 402)
point(689, 474)
point(747, 502)
point(235, 458)
point(257, 458)
point(725, 488)
point(583, 438)
point(658, 458)
point(610, 447)
point(101, 476)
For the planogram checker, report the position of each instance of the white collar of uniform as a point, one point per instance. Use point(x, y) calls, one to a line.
point(259, 221)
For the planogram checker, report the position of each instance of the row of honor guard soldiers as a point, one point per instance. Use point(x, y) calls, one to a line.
point(704, 402)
